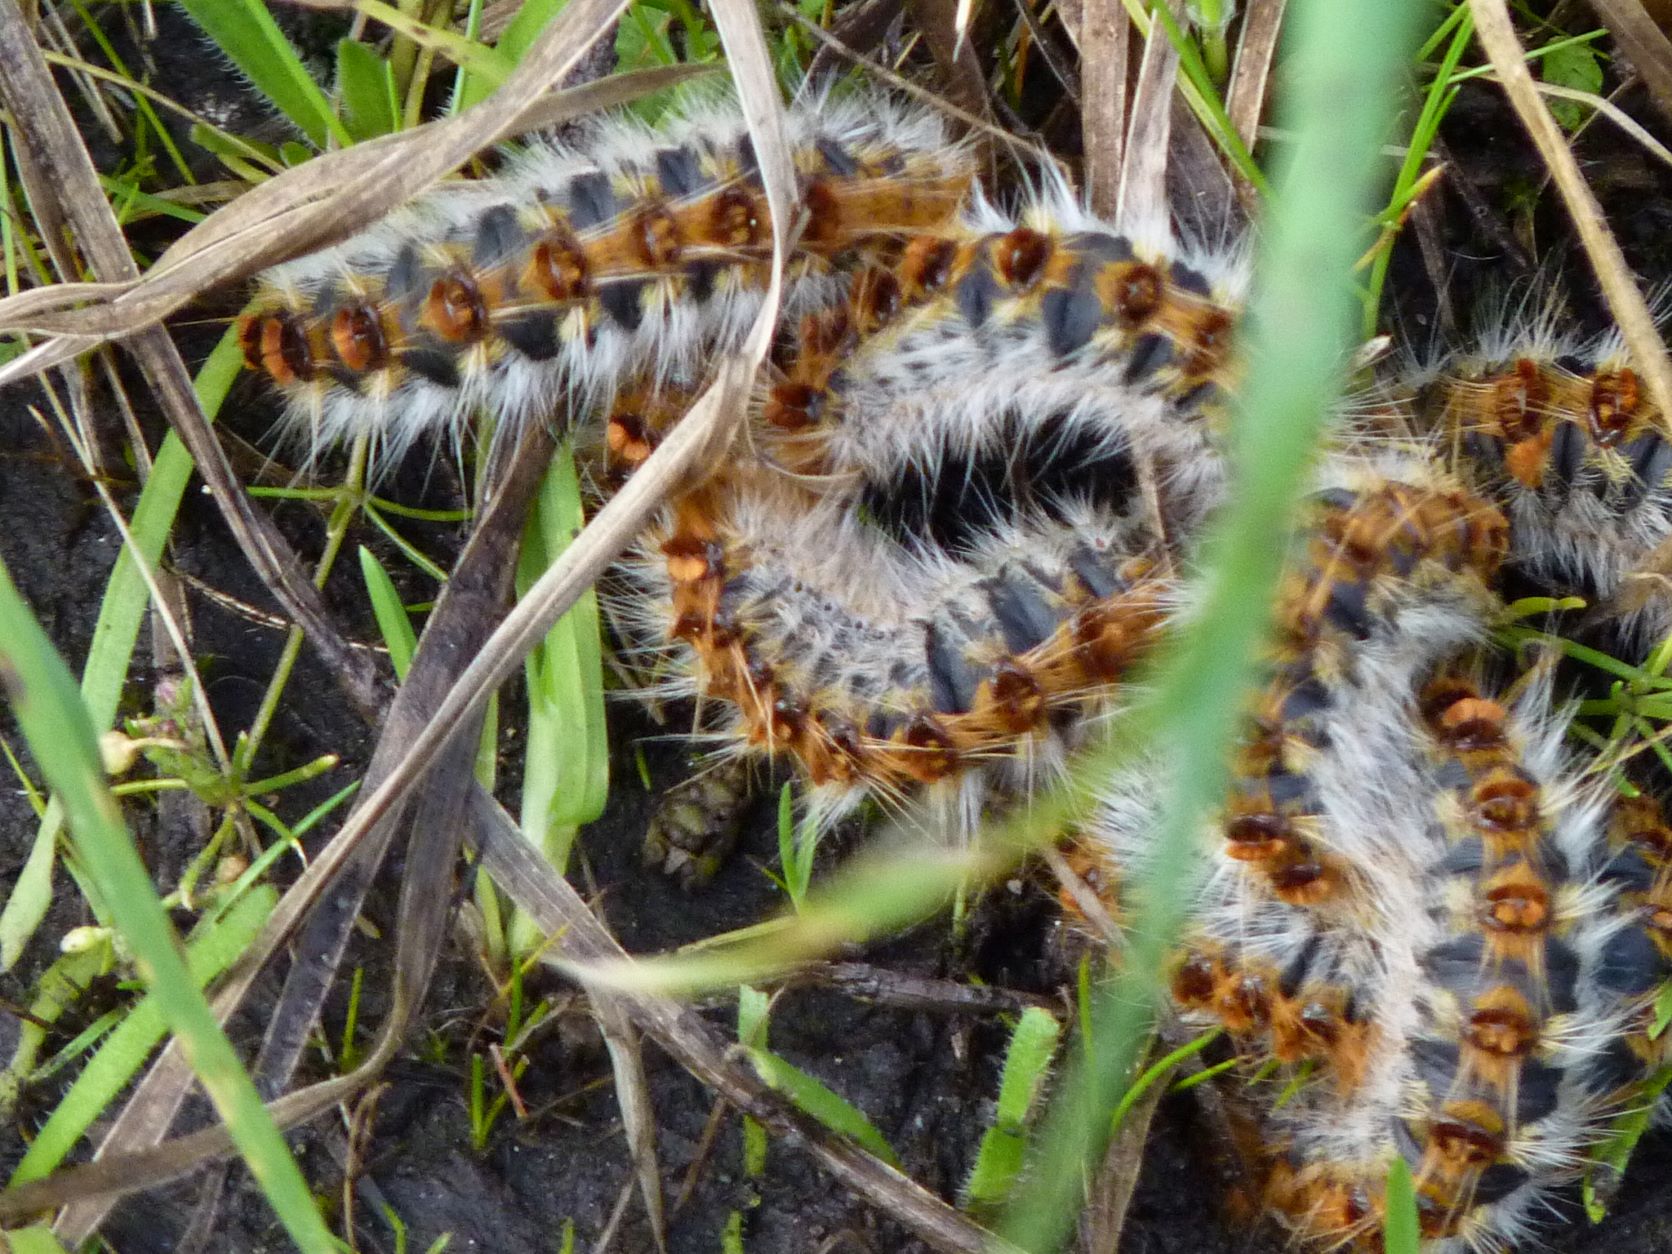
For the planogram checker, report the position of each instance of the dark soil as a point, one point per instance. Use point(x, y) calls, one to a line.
point(927, 1080)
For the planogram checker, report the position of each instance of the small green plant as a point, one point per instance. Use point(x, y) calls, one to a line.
point(797, 848)
point(1027, 1062)
point(810, 1095)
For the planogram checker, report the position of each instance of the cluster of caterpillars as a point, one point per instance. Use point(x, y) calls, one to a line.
point(972, 483)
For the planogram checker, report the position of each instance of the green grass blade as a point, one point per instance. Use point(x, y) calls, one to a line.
point(823, 1103)
point(57, 989)
point(34, 1240)
point(247, 33)
point(121, 612)
point(514, 41)
point(132, 1041)
point(1344, 64)
point(753, 1006)
point(393, 622)
point(1400, 1234)
point(61, 736)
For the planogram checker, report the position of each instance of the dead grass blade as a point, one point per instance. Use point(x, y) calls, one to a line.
point(1644, 44)
point(1141, 205)
point(1245, 100)
point(1105, 39)
point(1619, 286)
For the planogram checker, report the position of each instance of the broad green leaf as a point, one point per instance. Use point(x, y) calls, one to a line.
point(367, 87)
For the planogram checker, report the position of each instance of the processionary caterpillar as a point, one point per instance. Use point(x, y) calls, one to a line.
point(930, 568)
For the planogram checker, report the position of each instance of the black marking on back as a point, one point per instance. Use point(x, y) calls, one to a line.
point(1349, 609)
point(591, 199)
point(622, 301)
point(1150, 352)
point(952, 680)
point(438, 367)
point(406, 274)
point(837, 160)
point(1071, 314)
point(498, 237)
point(1631, 964)
point(699, 278)
point(1185, 279)
point(534, 334)
point(1650, 458)
point(1091, 569)
point(1567, 453)
point(1020, 607)
point(1100, 248)
point(976, 291)
point(1536, 1089)
point(353, 380)
point(680, 172)
point(747, 161)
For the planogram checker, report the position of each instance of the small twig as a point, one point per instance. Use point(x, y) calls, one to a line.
point(914, 992)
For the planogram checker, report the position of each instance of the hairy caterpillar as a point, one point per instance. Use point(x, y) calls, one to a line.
point(1564, 437)
point(578, 264)
point(934, 563)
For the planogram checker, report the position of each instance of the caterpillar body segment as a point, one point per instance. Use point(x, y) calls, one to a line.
point(1050, 316)
point(1489, 1080)
point(1511, 1008)
point(1304, 1009)
point(896, 672)
point(1637, 960)
point(1390, 576)
point(1577, 455)
point(1315, 850)
point(633, 251)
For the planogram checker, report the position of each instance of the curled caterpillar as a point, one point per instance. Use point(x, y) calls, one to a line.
point(898, 670)
point(969, 494)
